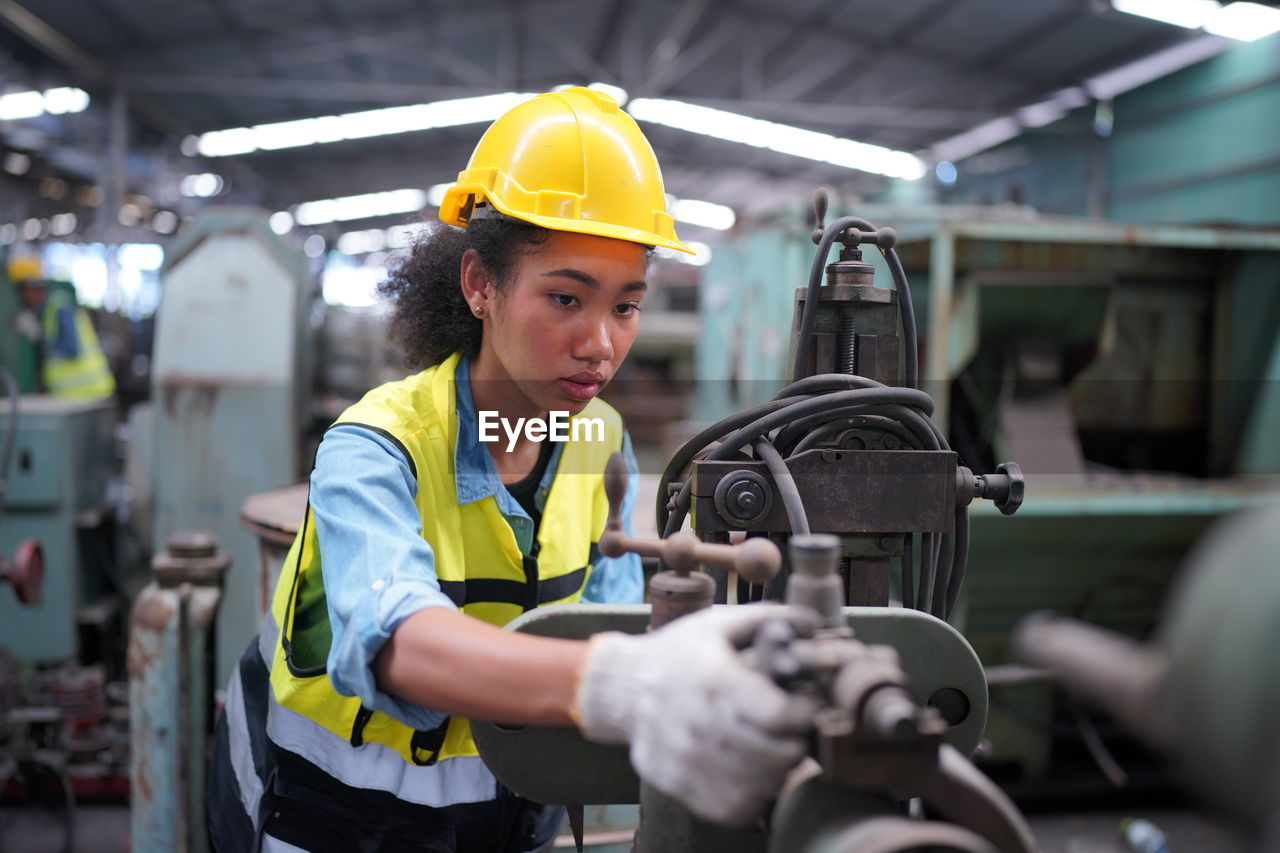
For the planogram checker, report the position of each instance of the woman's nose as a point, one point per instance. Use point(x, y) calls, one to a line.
point(595, 342)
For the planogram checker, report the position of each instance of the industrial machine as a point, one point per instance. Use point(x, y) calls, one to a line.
point(57, 525)
point(1129, 369)
point(844, 471)
point(230, 394)
point(63, 733)
point(172, 639)
point(1203, 690)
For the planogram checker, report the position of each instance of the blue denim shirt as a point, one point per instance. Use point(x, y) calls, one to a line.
point(362, 500)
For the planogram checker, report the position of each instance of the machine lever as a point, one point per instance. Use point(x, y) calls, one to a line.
point(25, 572)
point(755, 560)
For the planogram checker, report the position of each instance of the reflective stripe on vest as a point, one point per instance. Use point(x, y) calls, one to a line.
point(85, 375)
point(479, 566)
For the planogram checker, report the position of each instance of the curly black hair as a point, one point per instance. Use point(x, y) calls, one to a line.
point(429, 318)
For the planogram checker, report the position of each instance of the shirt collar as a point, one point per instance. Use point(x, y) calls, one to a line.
point(475, 477)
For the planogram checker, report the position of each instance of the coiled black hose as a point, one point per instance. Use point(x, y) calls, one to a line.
point(815, 408)
point(818, 406)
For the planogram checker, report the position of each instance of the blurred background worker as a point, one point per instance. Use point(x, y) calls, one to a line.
point(346, 722)
point(70, 360)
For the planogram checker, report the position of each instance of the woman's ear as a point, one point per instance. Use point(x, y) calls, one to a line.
point(476, 283)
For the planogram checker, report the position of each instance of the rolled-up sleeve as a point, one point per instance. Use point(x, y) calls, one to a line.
point(378, 570)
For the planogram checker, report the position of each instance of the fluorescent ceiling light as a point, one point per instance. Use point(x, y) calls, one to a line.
point(362, 242)
point(695, 119)
point(376, 239)
point(1191, 14)
point(65, 100)
point(704, 213)
point(618, 93)
point(435, 195)
point(1245, 21)
point(701, 255)
point(1054, 108)
point(204, 185)
point(986, 135)
point(1103, 87)
point(1241, 21)
point(336, 128)
point(782, 138)
point(360, 206)
point(281, 222)
point(400, 236)
point(30, 104)
point(1142, 71)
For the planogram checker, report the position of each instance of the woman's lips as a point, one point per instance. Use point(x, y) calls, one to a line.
point(581, 387)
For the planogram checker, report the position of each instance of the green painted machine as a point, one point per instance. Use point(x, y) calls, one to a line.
point(1131, 371)
point(60, 462)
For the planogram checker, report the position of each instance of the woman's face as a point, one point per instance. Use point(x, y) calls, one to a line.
point(566, 319)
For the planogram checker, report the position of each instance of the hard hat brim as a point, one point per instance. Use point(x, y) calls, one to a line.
point(452, 205)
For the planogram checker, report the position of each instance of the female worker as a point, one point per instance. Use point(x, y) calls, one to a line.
point(346, 721)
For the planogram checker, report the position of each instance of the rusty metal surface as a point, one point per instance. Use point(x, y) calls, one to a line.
point(1098, 232)
point(846, 491)
point(171, 687)
point(676, 594)
point(900, 835)
point(867, 581)
point(668, 827)
point(277, 513)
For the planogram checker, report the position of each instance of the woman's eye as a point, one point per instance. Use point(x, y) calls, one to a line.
point(564, 299)
point(628, 308)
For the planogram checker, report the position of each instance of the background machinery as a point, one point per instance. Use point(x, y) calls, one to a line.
point(844, 471)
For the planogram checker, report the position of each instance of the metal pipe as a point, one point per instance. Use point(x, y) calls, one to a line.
point(1112, 670)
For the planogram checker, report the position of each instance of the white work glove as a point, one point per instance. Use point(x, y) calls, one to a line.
point(703, 727)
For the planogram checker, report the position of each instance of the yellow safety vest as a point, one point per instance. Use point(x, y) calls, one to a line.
point(86, 375)
point(477, 560)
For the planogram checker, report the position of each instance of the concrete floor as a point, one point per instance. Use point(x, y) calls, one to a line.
point(105, 829)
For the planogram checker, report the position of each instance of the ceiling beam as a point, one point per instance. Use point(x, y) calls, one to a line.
point(610, 29)
point(788, 39)
point(58, 47)
point(571, 53)
point(689, 59)
point(843, 36)
point(53, 43)
point(941, 90)
point(810, 77)
point(244, 86)
point(845, 114)
point(675, 34)
point(669, 45)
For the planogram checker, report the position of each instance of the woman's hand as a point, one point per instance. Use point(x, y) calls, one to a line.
point(702, 725)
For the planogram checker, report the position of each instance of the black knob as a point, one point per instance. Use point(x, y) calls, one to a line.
point(1012, 499)
point(743, 498)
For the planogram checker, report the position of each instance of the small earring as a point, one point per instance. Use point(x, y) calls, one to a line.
point(479, 310)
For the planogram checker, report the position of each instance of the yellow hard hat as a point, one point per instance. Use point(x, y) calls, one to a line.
point(25, 268)
point(570, 161)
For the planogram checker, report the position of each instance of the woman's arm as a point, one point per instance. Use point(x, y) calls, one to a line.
point(451, 662)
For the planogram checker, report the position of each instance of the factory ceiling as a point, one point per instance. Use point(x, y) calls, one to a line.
point(911, 75)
